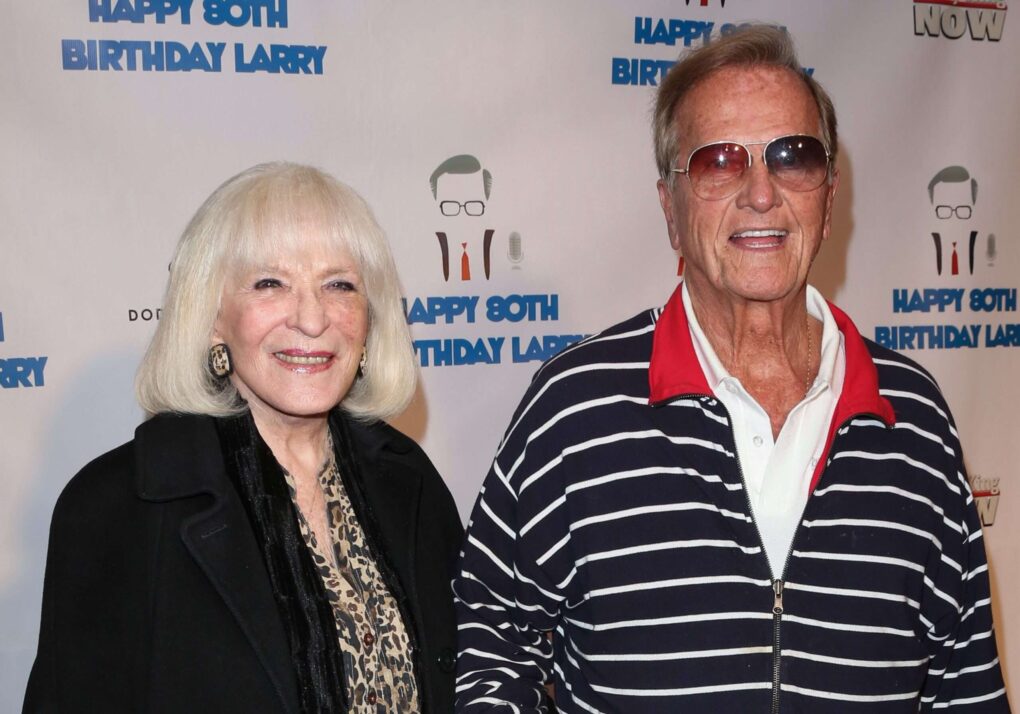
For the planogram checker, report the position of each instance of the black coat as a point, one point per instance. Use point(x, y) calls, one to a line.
point(156, 597)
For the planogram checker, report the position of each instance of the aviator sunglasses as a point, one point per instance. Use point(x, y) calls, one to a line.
point(717, 170)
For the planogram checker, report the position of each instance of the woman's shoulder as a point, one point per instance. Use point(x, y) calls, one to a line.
point(379, 441)
point(106, 476)
point(93, 502)
point(394, 446)
point(162, 443)
point(378, 434)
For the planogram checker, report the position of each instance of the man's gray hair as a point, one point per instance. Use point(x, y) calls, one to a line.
point(757, 45)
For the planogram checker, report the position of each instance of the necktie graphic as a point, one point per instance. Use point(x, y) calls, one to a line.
point(465, 264)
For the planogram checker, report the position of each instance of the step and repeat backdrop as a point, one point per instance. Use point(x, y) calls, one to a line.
point(120, 116)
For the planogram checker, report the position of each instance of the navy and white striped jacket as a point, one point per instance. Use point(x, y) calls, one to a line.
point(615, 516)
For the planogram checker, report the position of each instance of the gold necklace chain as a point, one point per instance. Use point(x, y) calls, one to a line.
point(810, 352)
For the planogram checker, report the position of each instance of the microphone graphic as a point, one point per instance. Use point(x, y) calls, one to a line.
point(514, 251)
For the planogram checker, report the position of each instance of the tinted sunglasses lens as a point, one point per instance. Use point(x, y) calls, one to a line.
point(716, 170)
point(797, 162)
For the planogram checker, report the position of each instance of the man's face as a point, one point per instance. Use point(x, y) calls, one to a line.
point(952, 194)
point(757, 244)
point(466, 190)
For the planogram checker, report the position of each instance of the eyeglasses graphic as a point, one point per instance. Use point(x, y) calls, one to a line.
point(453, 208)
point(962, 212)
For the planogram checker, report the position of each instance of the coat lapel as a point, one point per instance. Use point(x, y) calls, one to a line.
point(222, 544)
point(178, 457)
point(392, 493)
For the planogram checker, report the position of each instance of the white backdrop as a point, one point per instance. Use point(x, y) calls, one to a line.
point(109, 146)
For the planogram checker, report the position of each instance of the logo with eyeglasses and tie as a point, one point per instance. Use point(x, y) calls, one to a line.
point(461, 188)
point(953, 193)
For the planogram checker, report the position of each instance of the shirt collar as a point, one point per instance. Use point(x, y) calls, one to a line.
point(675, 370)
point(716, 372)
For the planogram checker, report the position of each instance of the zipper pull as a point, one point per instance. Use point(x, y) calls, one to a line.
point(777, 604)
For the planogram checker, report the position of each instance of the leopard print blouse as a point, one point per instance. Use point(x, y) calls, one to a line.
point(374, 644)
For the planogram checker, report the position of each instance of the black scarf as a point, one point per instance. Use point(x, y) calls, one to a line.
point(297, 586)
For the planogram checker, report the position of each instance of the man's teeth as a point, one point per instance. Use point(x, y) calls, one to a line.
point(300, 359)
point(770, 233)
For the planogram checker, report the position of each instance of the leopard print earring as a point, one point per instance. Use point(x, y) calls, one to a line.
point(219, 361)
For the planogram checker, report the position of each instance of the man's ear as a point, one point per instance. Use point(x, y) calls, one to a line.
point(830, 199)
point(666, 201)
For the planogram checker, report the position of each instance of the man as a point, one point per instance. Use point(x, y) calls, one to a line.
point(735, 503)
point(462, 193)
point(952, 193)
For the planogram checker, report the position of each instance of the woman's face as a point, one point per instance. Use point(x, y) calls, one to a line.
point(296, 328)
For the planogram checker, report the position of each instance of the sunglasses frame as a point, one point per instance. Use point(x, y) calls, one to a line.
point(750, 162)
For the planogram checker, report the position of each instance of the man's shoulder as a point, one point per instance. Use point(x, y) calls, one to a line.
point(627, 342)
point(610, 366)
point(911, 389)
point(897, 372)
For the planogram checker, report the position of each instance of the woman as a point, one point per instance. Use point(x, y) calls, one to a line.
point(266, 542)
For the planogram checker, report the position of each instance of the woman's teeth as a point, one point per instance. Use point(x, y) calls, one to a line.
point(300, 359)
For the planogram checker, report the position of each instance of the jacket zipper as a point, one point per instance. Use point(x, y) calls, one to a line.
point(777, 583)
point(777, 617)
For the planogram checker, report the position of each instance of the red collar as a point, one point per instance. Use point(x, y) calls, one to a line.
point(675, 370)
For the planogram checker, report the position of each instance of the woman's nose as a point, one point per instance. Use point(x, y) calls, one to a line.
point(309, 314)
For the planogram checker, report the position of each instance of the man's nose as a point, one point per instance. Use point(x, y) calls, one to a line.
point(759, 191)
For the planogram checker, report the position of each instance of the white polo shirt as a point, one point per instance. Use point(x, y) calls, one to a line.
point(778, 472)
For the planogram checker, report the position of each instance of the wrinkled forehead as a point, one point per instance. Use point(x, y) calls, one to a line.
point(746, 103)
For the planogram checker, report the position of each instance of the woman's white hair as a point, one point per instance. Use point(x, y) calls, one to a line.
point(256, 214)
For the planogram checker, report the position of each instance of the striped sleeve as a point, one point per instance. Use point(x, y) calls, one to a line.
point(516, 571)
point(963, 671)
point(505, 604)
